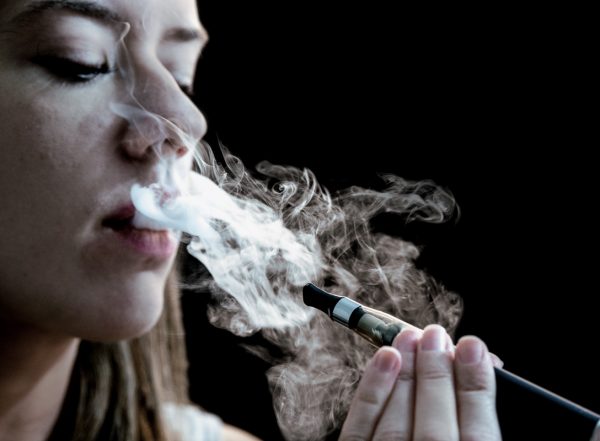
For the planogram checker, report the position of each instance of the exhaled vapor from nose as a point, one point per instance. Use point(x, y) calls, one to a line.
point(151, 134)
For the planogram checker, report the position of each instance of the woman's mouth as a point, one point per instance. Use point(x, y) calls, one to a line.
point(140, 234)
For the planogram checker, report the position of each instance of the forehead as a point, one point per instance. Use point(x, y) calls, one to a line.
point(144, 16)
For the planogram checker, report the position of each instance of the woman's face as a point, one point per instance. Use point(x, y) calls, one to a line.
point(71, 260)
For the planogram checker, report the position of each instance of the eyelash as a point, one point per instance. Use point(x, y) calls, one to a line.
point(75, 72)
point(187, 89)
point(71, 71)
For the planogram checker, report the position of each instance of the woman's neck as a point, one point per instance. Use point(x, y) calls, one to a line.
point(34, 376)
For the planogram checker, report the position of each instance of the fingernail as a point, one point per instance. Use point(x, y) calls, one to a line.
point(434, 338)
point(496, 361)
point(387, 360)
point(406, 341)
point(469, 351)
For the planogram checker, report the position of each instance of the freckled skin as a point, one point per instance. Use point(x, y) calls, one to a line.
point(64, 166)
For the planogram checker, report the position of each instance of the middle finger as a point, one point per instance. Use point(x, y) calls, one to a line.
point(397, 419)
point(435, 405)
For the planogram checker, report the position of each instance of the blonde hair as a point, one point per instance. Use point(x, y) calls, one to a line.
point(119, 387)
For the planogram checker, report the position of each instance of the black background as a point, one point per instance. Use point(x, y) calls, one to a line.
point(493, 104)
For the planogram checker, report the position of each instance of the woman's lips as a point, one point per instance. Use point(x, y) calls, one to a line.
point(151, 243)
point(140, 234)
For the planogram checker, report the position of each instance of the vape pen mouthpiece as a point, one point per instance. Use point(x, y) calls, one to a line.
point(317, 298)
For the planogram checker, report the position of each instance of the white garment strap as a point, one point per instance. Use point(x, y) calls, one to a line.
point(190, 423)
point(596, 434)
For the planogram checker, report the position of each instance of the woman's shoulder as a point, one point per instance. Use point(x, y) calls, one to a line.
point(190, 423)
point(231, 433)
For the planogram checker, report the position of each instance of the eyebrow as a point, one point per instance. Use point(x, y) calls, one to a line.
point(86, 8)
point(185, 35)
point(98, 12)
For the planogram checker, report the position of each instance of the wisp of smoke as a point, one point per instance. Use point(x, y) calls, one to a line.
point(263, 236)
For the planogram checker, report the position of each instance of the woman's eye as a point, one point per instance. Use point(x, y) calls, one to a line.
point(187, 89)
point(69, 70)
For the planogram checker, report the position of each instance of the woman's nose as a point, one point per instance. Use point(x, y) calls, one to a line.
point(161, 119)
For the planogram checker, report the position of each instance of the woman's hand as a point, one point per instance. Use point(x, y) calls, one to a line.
point(423, 390)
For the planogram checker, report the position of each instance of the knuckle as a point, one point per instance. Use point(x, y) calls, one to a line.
point(406, 375)
point(392, 435)
point(476, 399)
point(476, 382)
point(350, 436)
point(371, 397)
point(478, 436)
point(434, 367)
point(435, 374)
point(434, 437)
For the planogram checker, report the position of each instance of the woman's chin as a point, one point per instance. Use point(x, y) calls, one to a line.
point(132, 312)
point(124, 327)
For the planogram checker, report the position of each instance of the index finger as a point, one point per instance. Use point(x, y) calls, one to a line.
point(435, 404)
point(371, 395)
